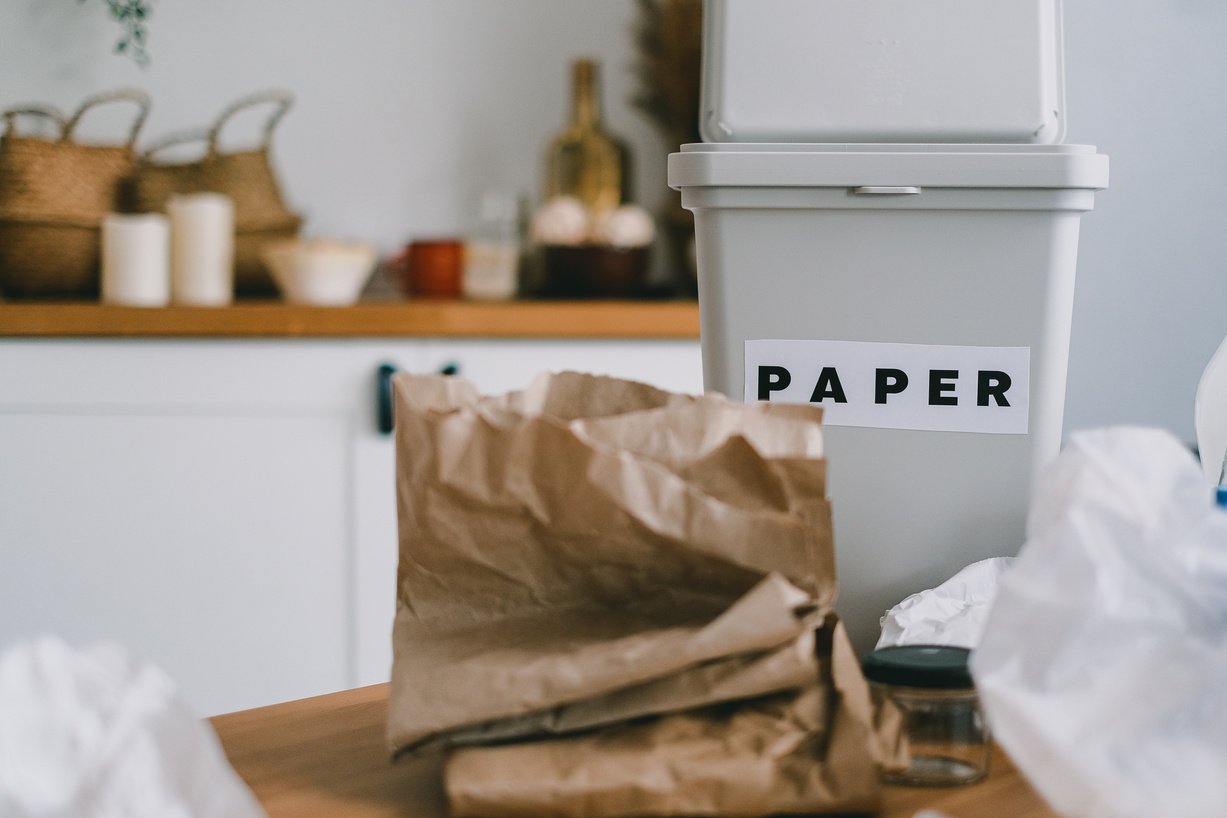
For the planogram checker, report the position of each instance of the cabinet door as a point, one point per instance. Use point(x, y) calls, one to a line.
point(497, 366)
point(224, 509)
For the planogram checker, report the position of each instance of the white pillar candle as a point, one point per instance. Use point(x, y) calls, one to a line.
point(136, 260)
point(202, 249)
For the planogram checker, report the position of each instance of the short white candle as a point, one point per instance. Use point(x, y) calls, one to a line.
point(202, 249)
point(136, 260)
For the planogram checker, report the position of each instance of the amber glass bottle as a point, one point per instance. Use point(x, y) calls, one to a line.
point(584, 160)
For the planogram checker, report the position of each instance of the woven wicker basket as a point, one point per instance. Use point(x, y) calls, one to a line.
point(260, 213)
point(53, 195)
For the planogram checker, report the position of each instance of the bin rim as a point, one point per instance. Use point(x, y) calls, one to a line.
point(947, 165)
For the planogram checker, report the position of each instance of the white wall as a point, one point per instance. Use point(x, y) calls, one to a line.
point(1146, 80)
point(408, 108)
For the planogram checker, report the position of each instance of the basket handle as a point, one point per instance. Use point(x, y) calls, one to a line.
point(44, 111)
point(170, 140)
point(139, 98)
point(280, 99)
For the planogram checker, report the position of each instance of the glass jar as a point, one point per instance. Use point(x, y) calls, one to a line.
point(944, 729)
point(492, 249)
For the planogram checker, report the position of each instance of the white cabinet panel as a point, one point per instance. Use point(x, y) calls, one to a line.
point(211, 545)
point(499, 365)
point(223, 508)
point(373, 579)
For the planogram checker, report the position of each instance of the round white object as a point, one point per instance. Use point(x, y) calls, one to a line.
point(561, 220)
point(626, 226)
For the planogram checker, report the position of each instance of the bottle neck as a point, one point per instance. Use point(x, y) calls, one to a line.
point(585, 97)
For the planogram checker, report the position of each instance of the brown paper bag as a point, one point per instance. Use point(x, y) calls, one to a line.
point(591, 535)
point(592, 551)
point(734, 678)
point(795, 753)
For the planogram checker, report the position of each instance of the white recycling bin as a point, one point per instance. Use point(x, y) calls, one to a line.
point(922, 294)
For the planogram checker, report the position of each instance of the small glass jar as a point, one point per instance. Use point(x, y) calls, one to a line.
point(492, 249)
point(944, 729)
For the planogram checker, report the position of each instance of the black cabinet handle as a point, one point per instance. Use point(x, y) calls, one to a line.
point(385, 415)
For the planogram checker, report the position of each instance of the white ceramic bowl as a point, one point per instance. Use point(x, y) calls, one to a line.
point(320, 272)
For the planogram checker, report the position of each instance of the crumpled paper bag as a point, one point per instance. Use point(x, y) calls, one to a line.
point(592, 550)
point(954, 613)
point(96, 733)
point(786, 666)
point(772, 756)
point(1103, 666)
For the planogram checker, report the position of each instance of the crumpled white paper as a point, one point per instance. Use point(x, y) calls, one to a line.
point(1103, 666)
point(953, 613)
point(95, 733)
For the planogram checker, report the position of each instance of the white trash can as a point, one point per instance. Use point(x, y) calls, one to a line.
point(921, 294)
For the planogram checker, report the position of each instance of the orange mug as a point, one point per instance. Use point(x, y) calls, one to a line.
point(435, 268)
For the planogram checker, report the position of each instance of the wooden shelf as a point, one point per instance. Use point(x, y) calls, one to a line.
point(375, 319)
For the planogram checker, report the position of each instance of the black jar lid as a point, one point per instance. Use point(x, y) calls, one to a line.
point(932, 667)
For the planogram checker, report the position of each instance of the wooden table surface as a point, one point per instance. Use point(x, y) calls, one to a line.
point(326, 757)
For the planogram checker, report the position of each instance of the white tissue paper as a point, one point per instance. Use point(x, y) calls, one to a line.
point(953, 613)
point(95, 733)
point(1103, 665)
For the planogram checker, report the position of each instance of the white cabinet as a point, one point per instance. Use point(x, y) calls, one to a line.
point(226, 508)
point(504, 364)
point(211, 505)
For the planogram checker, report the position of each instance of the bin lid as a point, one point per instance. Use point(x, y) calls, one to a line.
point(852, 165)
point(965, 71)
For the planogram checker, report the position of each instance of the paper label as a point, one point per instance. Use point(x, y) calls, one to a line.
point(896, 386)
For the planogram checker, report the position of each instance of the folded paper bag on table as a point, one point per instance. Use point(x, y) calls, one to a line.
point(591, 550)
point(799, 752)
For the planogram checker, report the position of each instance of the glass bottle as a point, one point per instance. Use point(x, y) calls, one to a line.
point(585, 161)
